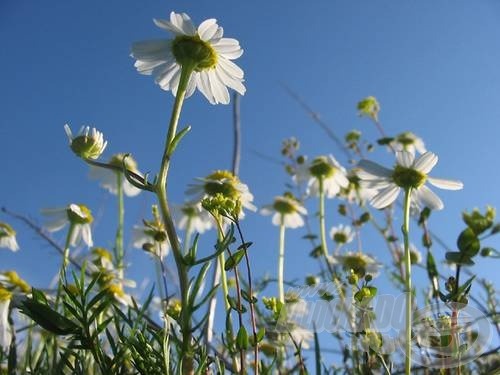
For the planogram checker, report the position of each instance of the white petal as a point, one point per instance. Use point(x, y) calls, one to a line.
point(218, 88)
point(130, 190)
point(87, 235)
point(267, 210)
point(426, 162)
point(231, 68)
point(341, 179)
point(374, 169)
point(166, 25)
point(207, 29)
point(446, 184)
point(67, 129)
point(379, 183)
point(293, 220)
point(385, 197)
point(234, 83)
point(203, 85)
point(428, 198)
point(405, 158)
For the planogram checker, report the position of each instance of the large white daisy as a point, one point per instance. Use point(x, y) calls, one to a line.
point(202, 49)
point(408, 173)
point(285, 210)
point(76, 214)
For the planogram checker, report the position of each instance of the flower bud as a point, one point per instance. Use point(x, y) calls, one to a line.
point(88, 144)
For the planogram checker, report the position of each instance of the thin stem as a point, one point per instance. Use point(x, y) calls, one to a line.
point(161, 192)
point(119, 252)
point(281, 260)
point(406, 237)
point(64, 265)
point(322, 229)
point(236, 133)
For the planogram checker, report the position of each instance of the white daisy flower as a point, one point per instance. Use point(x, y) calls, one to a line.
point(8, 237)
point(361, 264)
point(342, 234)
point(408, 141)
point(201, 49)
point(109, 178)
point(225, 183)
point(286, 210)
point(329, 170)
point(5, 328)
point(76, 214)
point(408, 173)
point(355, 192)
point(87, 144)
point(192, 215)
point(151, 237)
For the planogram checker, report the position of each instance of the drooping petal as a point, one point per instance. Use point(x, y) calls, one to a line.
point(405, 158)
point(425, 162)
point(373, 169)
point(446, 184)
point(385, 197)
point(428, 198)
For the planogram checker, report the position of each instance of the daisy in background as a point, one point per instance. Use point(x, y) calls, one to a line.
point(415, 255)
point(286, 210)
point(225, 183)
point(88, 144)
point(355, 191)
point(203, 51)
point(192, 217)
point(13, 282)
point(152, 236)
point(77, 215)
point(109, 179)
point(342, 234)
point(409, 142)
point(326, 169)
point(8, 237)
point(408, 173)
point(357, 262)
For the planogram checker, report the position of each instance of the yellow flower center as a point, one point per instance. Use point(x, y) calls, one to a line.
point(321, 168)
point(6, 230)
point(192, 51)
point(82, 216)
point(284, 206)
point(222, 182)
point(5, 295)
point(408, 177)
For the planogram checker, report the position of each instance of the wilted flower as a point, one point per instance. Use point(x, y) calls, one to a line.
point(5, 329)
point(8, 237)
point(408, 173)
point(225, 183)
point(359, 263)
point(88, 144)
point(409, 142)
point(202, 49)
point(193, 216)
point(328, 170)
point(78, 215)
point(286, 211)
point(342, 234)
point(109, 178)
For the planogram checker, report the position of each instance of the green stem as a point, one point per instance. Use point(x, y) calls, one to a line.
point(407, 261)
point(161, 192)
point(322, 229)
point(187, 235)
point(119, 251)
point(62, 271)
point(281, 261)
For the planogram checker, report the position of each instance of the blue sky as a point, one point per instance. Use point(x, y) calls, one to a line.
point(432, 65)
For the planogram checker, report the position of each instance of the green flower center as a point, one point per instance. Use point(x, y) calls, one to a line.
point(86, 147)
point(320, 168)
point(192, 51)
point(406, 139)
point(6, 230)
point(83, 217)
point(340, 237)
point(189, 211)
point(284, 206)
point(226, 189)
point(408, 177)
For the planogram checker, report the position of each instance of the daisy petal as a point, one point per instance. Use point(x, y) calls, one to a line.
point(425, 162)
point(446, 184)
point(207, 29)
point(385, 197)
point(428, 198)
point(374, 169)
point(405, 158)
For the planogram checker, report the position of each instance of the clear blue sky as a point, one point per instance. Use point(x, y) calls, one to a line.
point(432, 65)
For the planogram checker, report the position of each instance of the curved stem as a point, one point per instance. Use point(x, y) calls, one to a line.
point(281, 261)
point(407, 261)
point(322, 229)
point(119, 252)
point(161, 192)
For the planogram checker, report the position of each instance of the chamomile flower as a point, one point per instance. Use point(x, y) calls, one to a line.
point(355, 191)
point(77, 215)
point(88, 144)
point(409, 142)
point(286, 210)
point(109, 178)
point(342, 234)
point(8, 237)
point(360, 264)
point(224, 183)
point(193, 217)
point(408, 173)
point(5, 328)
point(326, 168)
point(201, 49)
point(152, 236)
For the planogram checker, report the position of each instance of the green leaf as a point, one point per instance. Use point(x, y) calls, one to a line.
point(175, 142)
point(49, 319)
point(432, 272)
point(234, 260)
point(468, 243)
point(384, 141)
point(242, 339)
point(245, 246)
point(459, 258)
